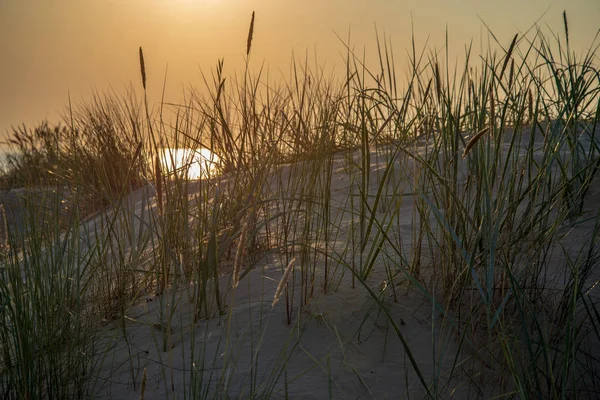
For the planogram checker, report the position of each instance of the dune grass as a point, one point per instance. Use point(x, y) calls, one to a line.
point(463, 185)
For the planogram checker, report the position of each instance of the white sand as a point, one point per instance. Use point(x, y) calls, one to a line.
point(340, 345)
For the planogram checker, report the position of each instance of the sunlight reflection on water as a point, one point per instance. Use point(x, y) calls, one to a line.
point(191, 163)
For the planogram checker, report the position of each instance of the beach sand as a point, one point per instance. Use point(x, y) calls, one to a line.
point(341, 344)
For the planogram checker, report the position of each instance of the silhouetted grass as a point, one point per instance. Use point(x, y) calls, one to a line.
point(489, 164)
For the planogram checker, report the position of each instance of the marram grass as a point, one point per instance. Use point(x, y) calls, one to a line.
point(494, 163)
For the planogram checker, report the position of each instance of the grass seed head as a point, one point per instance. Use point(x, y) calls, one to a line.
point(530, 106)
point(284, 280)
point(239, 255)
point(511, 74)
point(566, 25)
point(508, 54)
point(474, 140)
point(438, 82)
point(250, 34)
point(143, 68)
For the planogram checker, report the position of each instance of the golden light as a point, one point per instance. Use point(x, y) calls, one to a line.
point(188, 163)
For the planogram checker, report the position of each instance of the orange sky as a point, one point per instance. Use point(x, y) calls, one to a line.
point(49, 48)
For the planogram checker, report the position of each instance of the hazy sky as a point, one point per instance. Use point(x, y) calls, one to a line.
point(49, 48)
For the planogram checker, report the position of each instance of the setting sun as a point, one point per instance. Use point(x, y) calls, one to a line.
point(189, 163)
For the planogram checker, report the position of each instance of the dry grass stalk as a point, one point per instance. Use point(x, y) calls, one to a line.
point(250, 34)
point(158, 182)
point(143, 390)
point(143, 68)
point(239, 255)
point(283, 282)
point(474, 140)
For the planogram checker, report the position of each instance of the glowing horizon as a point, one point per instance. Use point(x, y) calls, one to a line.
point(53, 50)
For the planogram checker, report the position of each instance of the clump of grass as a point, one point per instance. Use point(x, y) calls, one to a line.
point(47, 333)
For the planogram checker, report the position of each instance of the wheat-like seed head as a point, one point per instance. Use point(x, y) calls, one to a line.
point(474, 140)
point(284, 280)
point(566, 25)
point(511, 74)
point(438, 82)
point(250, 34)
point(530, 106)
point(508, 54)
point(143, 68)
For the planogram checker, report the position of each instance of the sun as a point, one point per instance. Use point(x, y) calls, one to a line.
point(192, 164)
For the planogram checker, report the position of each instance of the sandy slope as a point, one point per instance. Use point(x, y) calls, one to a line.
point(339, 345)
